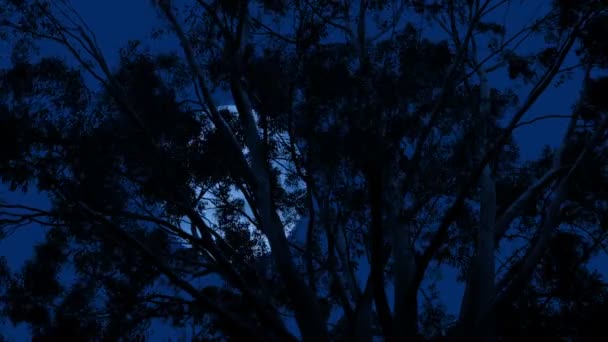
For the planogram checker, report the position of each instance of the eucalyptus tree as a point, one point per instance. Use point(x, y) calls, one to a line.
point(395, 146)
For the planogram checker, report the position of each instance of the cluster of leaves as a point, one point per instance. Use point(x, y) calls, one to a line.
point(96, 154)
point(335, 119)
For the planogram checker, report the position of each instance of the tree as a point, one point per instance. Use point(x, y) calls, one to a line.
point(396, 148)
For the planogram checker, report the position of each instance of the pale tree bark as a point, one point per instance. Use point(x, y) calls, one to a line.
point(514, 281)
point(517, 207)
point(478, 310)
point(85, 38)
point(410, 269)
point(493, 149)
point(307, 309)
point(479, 289)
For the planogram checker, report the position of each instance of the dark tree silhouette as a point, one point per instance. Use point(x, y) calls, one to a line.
point(391, 153)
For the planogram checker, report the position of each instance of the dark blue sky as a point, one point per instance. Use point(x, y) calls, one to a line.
point(116, 21)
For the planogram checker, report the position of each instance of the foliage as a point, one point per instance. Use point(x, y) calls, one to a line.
point(383, 149)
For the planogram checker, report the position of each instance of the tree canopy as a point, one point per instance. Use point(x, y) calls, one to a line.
point(369, 146)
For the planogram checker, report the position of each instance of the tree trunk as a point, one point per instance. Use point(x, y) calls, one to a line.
point(405, 317)
point(480, 290)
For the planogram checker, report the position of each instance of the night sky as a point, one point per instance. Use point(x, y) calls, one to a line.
point(116, 21)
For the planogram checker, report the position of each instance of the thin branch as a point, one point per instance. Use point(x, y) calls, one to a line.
point(239, 322)
point(442, 231)
point(542, 117)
